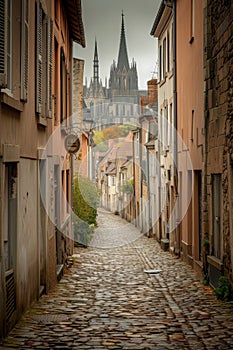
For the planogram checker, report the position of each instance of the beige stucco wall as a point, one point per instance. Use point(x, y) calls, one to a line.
point(190, 116)
point(27, 238)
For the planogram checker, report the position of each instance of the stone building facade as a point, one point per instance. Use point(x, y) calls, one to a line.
point(117, 103)
point(218, 162)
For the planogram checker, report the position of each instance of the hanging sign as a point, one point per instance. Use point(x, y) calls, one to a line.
point(72, 143)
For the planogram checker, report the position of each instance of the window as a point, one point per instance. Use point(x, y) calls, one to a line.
point(6, 44)
point(123, 109)
point(67, 191)
point(168, 51)
point(166, 127)
point(170, 125)
point(9, 44)
point(136, 145)
point(10, 214)
point(160, 125)
point(160, 64)
point(216, 215)
point(192, 127)
point(24, 50)
point(198, 180)
point(56, 79)
point(164, 58)
point(63, 201)
point(43, 62)
point(171, 48)
point(63, 86)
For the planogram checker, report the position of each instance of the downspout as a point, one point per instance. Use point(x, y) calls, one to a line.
point(141, 180)
point(71, 158)
point(177, 229)
point(172, 4)
point(175, 97)
point(148, 185)
point(134, 217)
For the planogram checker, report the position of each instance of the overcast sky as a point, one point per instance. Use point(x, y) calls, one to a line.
point(102, 19)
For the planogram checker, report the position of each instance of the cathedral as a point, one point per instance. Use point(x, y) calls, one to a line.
point(118, 102)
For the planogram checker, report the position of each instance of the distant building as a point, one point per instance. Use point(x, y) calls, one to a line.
point(95, 93)
point(123, 82)
point(112, 175)
point(118, 103)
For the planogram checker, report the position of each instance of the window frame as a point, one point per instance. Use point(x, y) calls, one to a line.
point(6, 45)
point(9, 45)
point(217, 220)
point(44, 53)
point(24, 46)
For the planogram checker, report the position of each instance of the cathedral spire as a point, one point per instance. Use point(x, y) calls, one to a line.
point(123, 55)
point(96, 64)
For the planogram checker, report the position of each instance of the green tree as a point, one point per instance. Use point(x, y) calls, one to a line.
point(127, 187)
point(85, 203)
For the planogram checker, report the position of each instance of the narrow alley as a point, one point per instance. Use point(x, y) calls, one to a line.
point(110, 299)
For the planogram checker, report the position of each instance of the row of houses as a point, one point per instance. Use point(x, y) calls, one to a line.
point(181, 152)
point(36, 63)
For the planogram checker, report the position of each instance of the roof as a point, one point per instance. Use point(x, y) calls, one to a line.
point(150, 144)
point(74, 15)
point(126, 163)
point(163, 14)
point(111, 170)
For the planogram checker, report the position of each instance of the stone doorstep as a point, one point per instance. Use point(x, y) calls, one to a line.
point(59, 271)
point(164, 244)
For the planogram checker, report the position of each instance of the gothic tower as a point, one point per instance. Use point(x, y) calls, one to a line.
point(96, 65)
point(96, 92)
point(123, 81)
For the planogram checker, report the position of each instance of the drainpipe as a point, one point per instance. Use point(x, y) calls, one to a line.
point(175, 97)
point(141, 180)
point(177, 233)
point(172, 4)
point(148, 185)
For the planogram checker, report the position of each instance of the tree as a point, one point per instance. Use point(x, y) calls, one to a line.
point(127, 187)
point(85, 203)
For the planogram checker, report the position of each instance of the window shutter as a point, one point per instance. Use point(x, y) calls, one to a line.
point(24, 50)
point(38, 57)
point(3, 44)
point(49, 66)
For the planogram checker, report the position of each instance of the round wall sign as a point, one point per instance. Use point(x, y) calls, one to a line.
point(72, 143)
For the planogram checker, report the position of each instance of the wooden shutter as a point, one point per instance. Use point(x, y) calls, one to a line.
point(24, 50)
point(3, 43)
point(49, 67)
point(39, 62)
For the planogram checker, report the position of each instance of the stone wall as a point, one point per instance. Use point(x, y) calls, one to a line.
point(218, 74)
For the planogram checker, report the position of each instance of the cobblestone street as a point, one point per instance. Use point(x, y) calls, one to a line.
point(107, 301)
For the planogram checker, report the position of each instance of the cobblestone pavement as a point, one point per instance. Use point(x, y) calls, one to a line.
point(107, 301)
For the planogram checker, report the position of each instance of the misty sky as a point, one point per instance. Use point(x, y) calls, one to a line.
point(102, 19)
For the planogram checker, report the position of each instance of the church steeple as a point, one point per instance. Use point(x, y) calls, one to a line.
point(96, 64)
point(123, 55)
